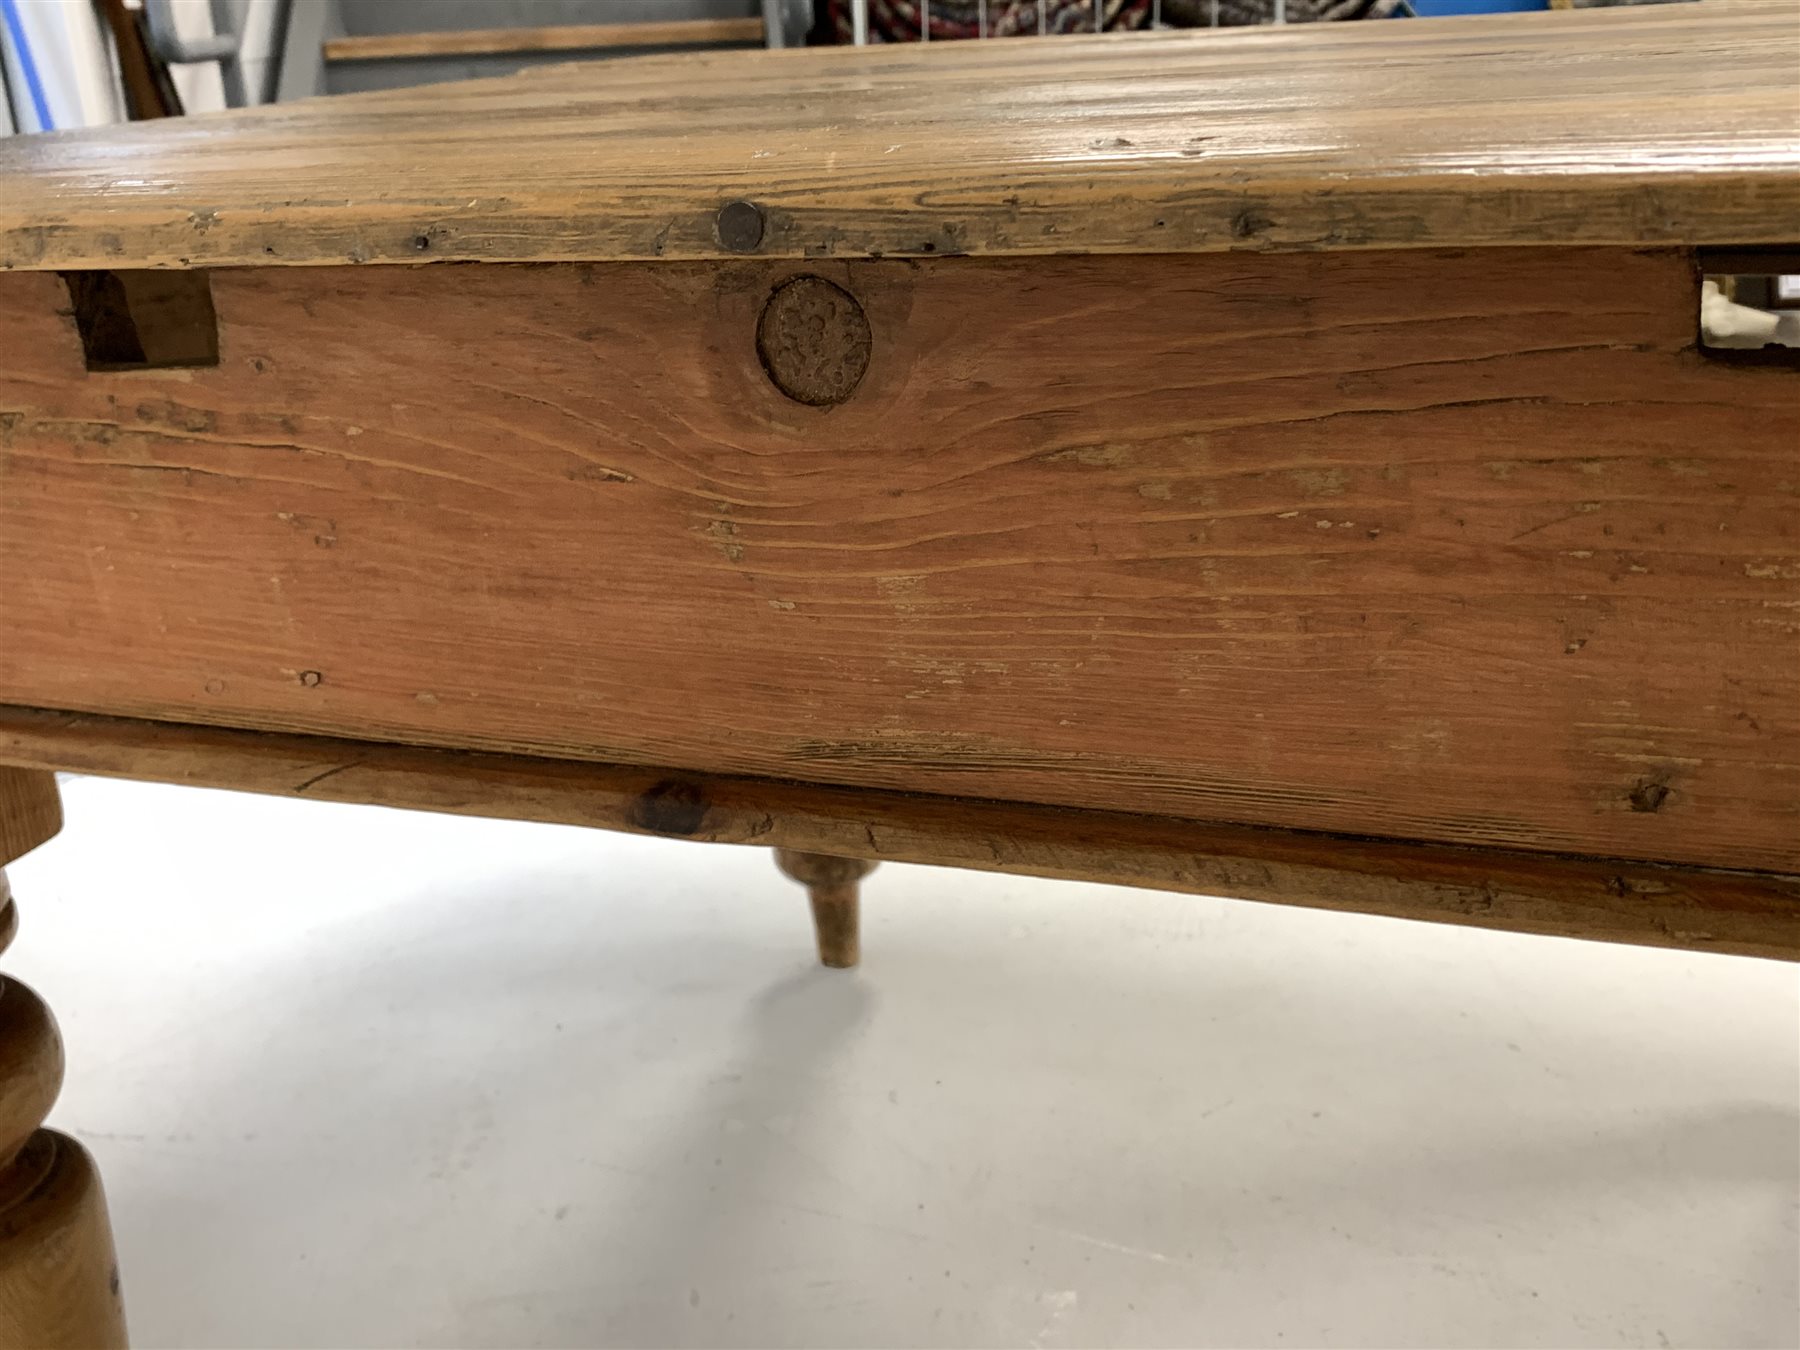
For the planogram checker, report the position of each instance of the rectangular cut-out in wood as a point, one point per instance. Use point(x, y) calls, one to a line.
point(1464, 546)
point(139, 320)
point(1750, 310)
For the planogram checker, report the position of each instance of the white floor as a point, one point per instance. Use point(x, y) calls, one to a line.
point(362, 1078)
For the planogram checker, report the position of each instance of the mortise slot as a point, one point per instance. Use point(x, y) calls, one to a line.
point(1750, 304)
point(144, 320)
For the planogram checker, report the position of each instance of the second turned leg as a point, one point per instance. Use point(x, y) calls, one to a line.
point(832, 884)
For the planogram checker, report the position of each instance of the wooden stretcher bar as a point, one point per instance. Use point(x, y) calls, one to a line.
point(1646, 904)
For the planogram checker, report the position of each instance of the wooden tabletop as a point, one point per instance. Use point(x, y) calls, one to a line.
point(1665, 124)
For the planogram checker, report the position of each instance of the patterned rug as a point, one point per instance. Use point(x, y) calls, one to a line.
point(898, 20)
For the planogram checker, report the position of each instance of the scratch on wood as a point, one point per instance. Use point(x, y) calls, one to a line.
point(302, 788)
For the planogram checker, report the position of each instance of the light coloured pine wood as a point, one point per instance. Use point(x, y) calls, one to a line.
point(59, 1280)
point(1704, 909)
point(31, 1060)
point(572, 37)
point(1467, 547)
point(1673, 123)
point(832, 886)
point(30, 812)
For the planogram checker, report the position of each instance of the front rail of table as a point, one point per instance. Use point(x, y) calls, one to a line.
point(1304, 484)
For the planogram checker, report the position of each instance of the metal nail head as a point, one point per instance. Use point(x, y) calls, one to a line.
point(740, 226)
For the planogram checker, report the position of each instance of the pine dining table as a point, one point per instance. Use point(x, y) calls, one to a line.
point(1280, 463)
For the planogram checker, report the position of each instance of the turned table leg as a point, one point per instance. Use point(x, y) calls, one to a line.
point(832, 884)
point(59, 1282)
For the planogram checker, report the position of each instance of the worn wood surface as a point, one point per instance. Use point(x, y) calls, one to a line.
point(1746, 913)
point(1673, 123)
point(568, 37)
point(59, 1282)
point(832, 889)
point(59, 1279)
point(30, 812)
point(1421, 545)
point(31, 1057)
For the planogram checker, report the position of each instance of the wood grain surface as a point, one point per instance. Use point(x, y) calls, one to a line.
point(833, 886)
point(30, 814)
point(59, 1278)
point(1673, 123)
point(1468, 547)
point(1703, 909)
point(59, 1281)
point(568, 37)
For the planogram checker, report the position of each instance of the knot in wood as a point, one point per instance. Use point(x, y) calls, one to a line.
point(814, 341)
point(672, 807)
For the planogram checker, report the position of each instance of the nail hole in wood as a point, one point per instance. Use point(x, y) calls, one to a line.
point(144, 320)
